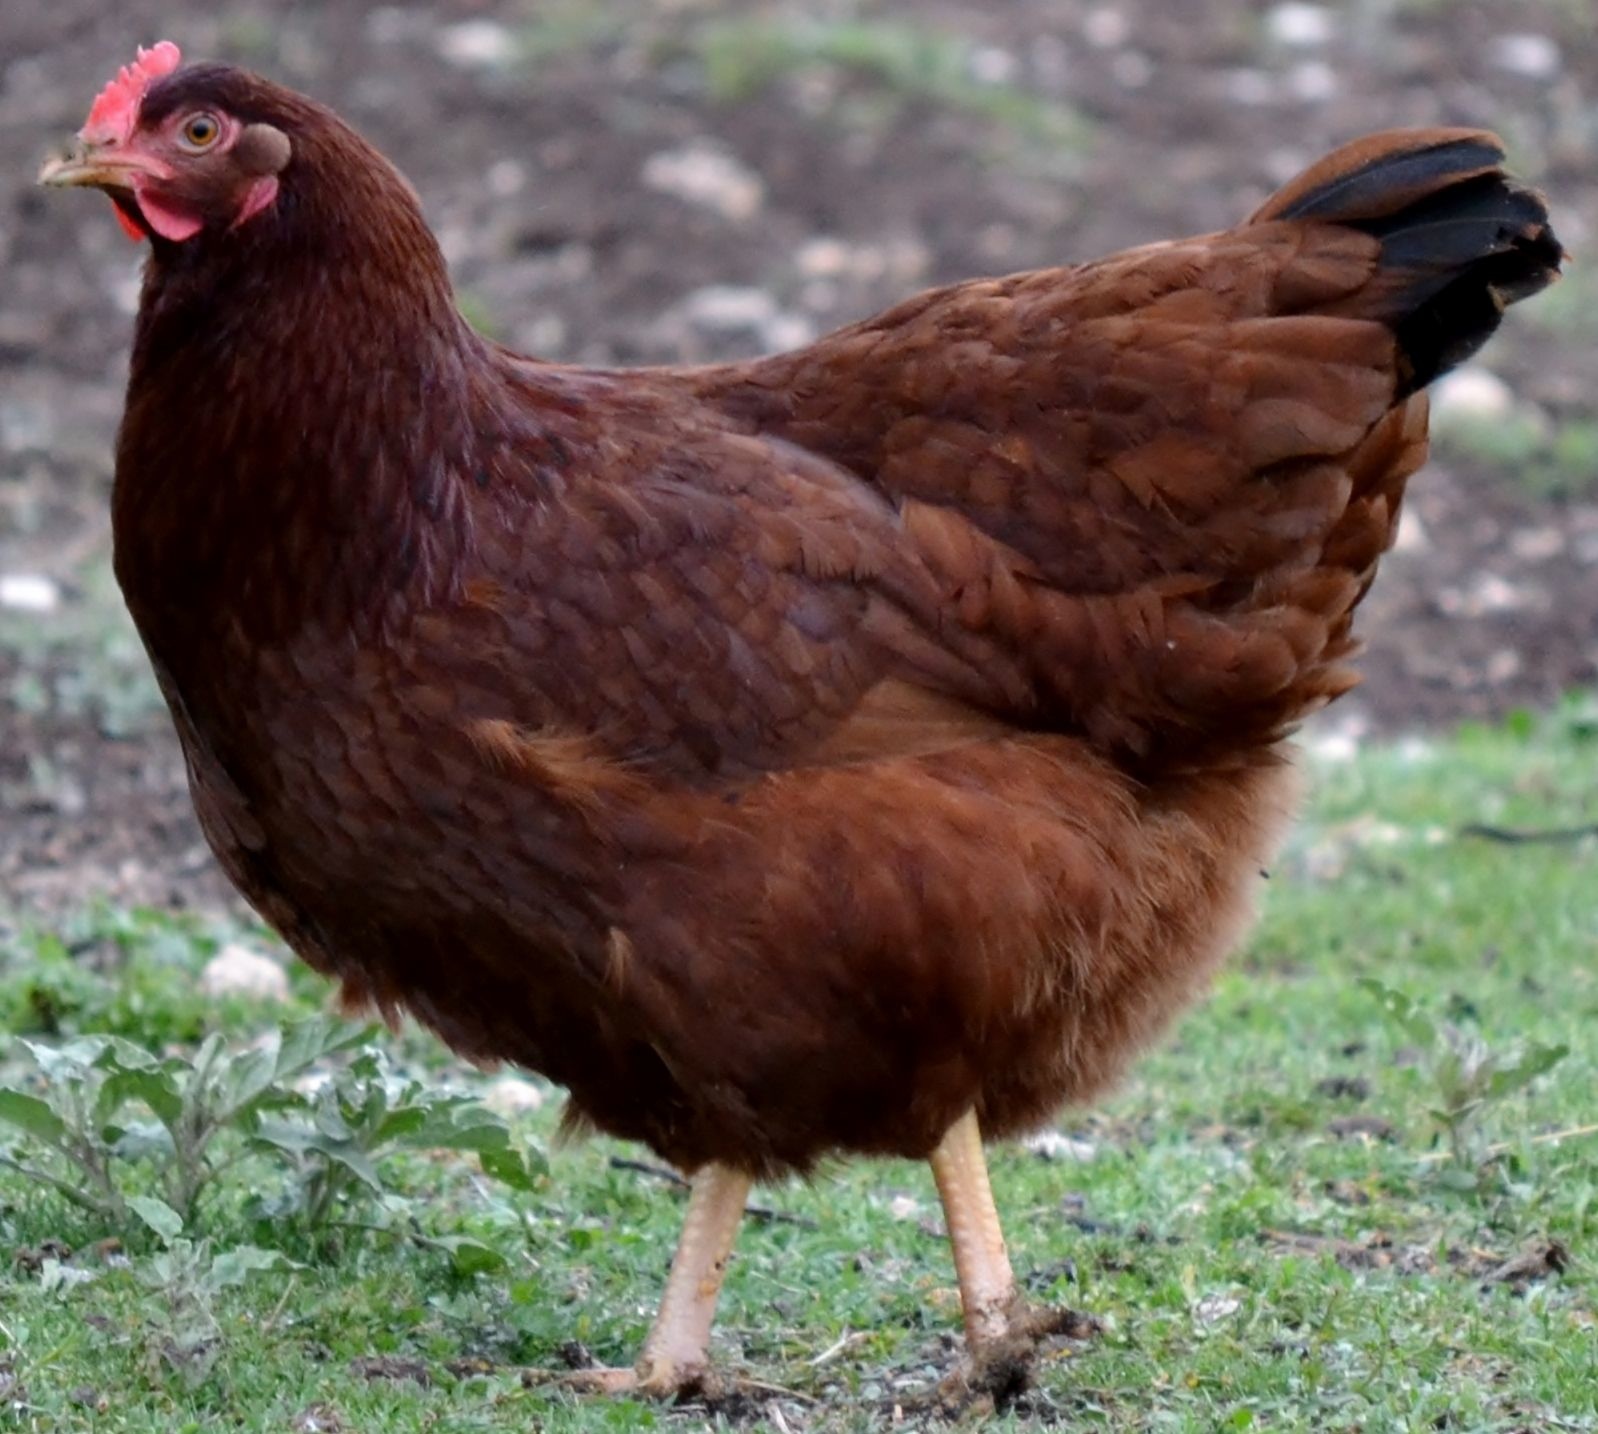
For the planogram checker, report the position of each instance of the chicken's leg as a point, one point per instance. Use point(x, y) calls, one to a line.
point(1001, 1329)
point(987, 1285)
point(675, 1354)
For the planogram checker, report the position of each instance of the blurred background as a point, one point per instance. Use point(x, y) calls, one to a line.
point(621, 182)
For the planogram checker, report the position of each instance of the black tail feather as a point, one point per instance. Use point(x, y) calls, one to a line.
point(1460, 239)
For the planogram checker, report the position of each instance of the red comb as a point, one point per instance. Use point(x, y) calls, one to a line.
point(116, 107)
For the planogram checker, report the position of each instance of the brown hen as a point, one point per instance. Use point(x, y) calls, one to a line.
point(840, 753)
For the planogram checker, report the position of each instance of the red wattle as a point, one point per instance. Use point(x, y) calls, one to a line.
point(169, 223)
point(129, 228)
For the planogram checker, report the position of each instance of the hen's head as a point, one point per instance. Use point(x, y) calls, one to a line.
point(183, 151)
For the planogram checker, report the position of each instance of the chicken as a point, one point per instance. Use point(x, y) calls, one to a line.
point(858, 751)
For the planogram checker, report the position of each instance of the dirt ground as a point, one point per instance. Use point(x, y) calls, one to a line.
point(688, 179)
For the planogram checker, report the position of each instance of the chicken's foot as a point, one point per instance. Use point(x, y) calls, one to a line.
point(675, 1358)
point(1002, 1330)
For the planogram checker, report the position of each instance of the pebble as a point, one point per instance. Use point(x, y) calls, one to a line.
point(706, 175)
point(235, 970)
point(506, 177)
point(1412, 535)
point(29, 592)
point(546, 336)
point(1106, 28)
point(1503, 666)
point(1053, 1145)
point(733, 309)
point(992, 66)
point(1471, 392)
point(1214, 1308)
point(824, 258)
point(1299, 25)
point(478, 44)
point(904, 1207)
point(1312, 81)
point(1335, 736)
point(1535, 56)
point(787, 331)
point(1536, 545)
point(729, 306)
point(511, 1095)
point(1486, 593)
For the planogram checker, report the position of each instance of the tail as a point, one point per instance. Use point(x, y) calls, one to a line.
point(1460, 239)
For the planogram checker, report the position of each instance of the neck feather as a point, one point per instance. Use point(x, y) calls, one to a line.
point(298, 408)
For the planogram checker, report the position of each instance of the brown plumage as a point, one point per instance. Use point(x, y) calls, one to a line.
point(789, 757)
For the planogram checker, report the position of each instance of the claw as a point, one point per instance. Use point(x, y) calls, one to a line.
point(995, 1374)
point(649, 1379)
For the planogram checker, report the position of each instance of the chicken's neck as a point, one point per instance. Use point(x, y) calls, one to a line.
point(296, 427)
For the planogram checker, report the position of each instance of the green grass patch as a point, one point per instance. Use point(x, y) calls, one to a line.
point(1357, 1190)
point(82, 660)
point(1546, 460)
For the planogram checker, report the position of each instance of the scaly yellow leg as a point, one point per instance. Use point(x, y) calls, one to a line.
point(675, 1357)
point(987, 1285)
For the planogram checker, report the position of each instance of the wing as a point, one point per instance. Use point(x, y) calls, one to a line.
point(695, 600)
point(1130, 475)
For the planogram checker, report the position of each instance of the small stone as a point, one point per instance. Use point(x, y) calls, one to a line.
point(1412, 535)
point(703, 174)
point(1214, 1308)
point(1536, 545)
point(235, 970)
point(787, 331)
point(1106, 28)
point(992, 66)
point(1299, 25)
point(1502, 666)
point(477, 44)
point(823, 258)
point(1471, 392)
point(544, 335)
point(29, 592)
point(1485, 594)
point(1312, 81)
point(511, 1095)
point(1336, 736)
point(724, 307)
point(1054, 1145)
point(1537, 57)
point(506, 177)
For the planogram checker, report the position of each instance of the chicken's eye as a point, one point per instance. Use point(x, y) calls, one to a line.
point(200, 131)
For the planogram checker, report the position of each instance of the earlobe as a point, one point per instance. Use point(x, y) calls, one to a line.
point(259, 196)
point(262, 149)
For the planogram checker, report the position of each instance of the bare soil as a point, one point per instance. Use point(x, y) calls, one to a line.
point(688, 179)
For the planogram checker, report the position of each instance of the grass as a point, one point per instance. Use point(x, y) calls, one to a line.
point(1542, 459)
point(915, 62)
point(1302, 1212)
point(84, 661)
point(879, 65)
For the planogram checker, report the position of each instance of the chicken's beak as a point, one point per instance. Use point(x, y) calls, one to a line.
point(101, 166)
